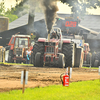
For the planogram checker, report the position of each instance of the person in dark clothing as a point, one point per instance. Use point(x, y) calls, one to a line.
point(54, 35)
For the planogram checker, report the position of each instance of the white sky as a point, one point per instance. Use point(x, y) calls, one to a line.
point(63, 8)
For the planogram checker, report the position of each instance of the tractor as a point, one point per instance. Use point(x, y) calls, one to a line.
point(18, 46)
point(60, 52)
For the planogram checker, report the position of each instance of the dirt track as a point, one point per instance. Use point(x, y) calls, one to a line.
point(10, 76)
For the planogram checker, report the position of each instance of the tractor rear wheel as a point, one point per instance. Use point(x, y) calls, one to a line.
point(38, 59)
point(88, 58)
point(69, 52)
point(38, 47)
point(96, 63)
point(93, 59)
point(61, 61)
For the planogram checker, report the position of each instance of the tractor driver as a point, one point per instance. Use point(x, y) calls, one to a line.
point(54, 35)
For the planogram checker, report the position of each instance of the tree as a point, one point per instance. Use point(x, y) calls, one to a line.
point(79, 6)
point(2, 8)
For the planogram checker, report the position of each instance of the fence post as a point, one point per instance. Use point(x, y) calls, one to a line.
point(1, 55)
point(69, 72)
point(4, 55)
point(24, 80)
point(90, 60)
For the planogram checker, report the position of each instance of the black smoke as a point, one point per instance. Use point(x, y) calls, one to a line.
point(50, 9)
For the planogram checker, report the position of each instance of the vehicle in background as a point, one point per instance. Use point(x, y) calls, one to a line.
point(18, 46)
point(60, 52)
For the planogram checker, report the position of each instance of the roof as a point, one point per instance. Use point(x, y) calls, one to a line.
point(24, 20)
point(89, 30)
point(89, 21)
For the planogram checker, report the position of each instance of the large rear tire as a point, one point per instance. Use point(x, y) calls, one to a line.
point(88, 58)
point(38, 59)
point(69, 52)
point(96, 63)
point(38, 47)
point(93, 59)
point(61, 61)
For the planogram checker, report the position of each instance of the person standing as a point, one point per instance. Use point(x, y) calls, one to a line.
point(28, 56)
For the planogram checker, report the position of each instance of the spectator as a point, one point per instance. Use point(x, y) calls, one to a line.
point(28, 56)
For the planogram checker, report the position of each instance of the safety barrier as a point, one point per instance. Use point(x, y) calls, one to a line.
point(2, 55)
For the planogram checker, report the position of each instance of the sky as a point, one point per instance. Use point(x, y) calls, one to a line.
point(63, 8)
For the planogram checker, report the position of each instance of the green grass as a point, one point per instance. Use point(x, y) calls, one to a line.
point(16, 64)
point(91, 67)
point(85, 90)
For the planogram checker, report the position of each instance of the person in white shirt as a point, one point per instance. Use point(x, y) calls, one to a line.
point(28, 55)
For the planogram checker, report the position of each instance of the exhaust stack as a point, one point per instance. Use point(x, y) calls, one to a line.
point(48, 37)
point(50, 9)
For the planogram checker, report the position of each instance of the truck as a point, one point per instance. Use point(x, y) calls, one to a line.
point(18, 45)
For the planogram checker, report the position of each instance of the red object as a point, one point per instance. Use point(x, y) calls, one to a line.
point(41, 40)
point(66, 80)
point(70, 24)
point(66, 41)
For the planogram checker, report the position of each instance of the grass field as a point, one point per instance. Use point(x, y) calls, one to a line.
point(32, 65)
point(16, 64)
point(84, 90)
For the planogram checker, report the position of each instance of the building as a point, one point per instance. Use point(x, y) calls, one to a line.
point(90, 24)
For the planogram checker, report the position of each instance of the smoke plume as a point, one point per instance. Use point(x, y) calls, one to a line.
point(50, 9)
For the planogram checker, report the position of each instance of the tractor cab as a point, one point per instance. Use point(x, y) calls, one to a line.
point(56, 31)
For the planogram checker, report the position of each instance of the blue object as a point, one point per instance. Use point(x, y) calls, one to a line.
point(28, 57)
point(80, 43)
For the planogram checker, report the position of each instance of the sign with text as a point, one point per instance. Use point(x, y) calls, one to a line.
point(71, 23)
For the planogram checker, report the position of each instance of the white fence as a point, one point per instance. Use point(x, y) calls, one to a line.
point(3, 55)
